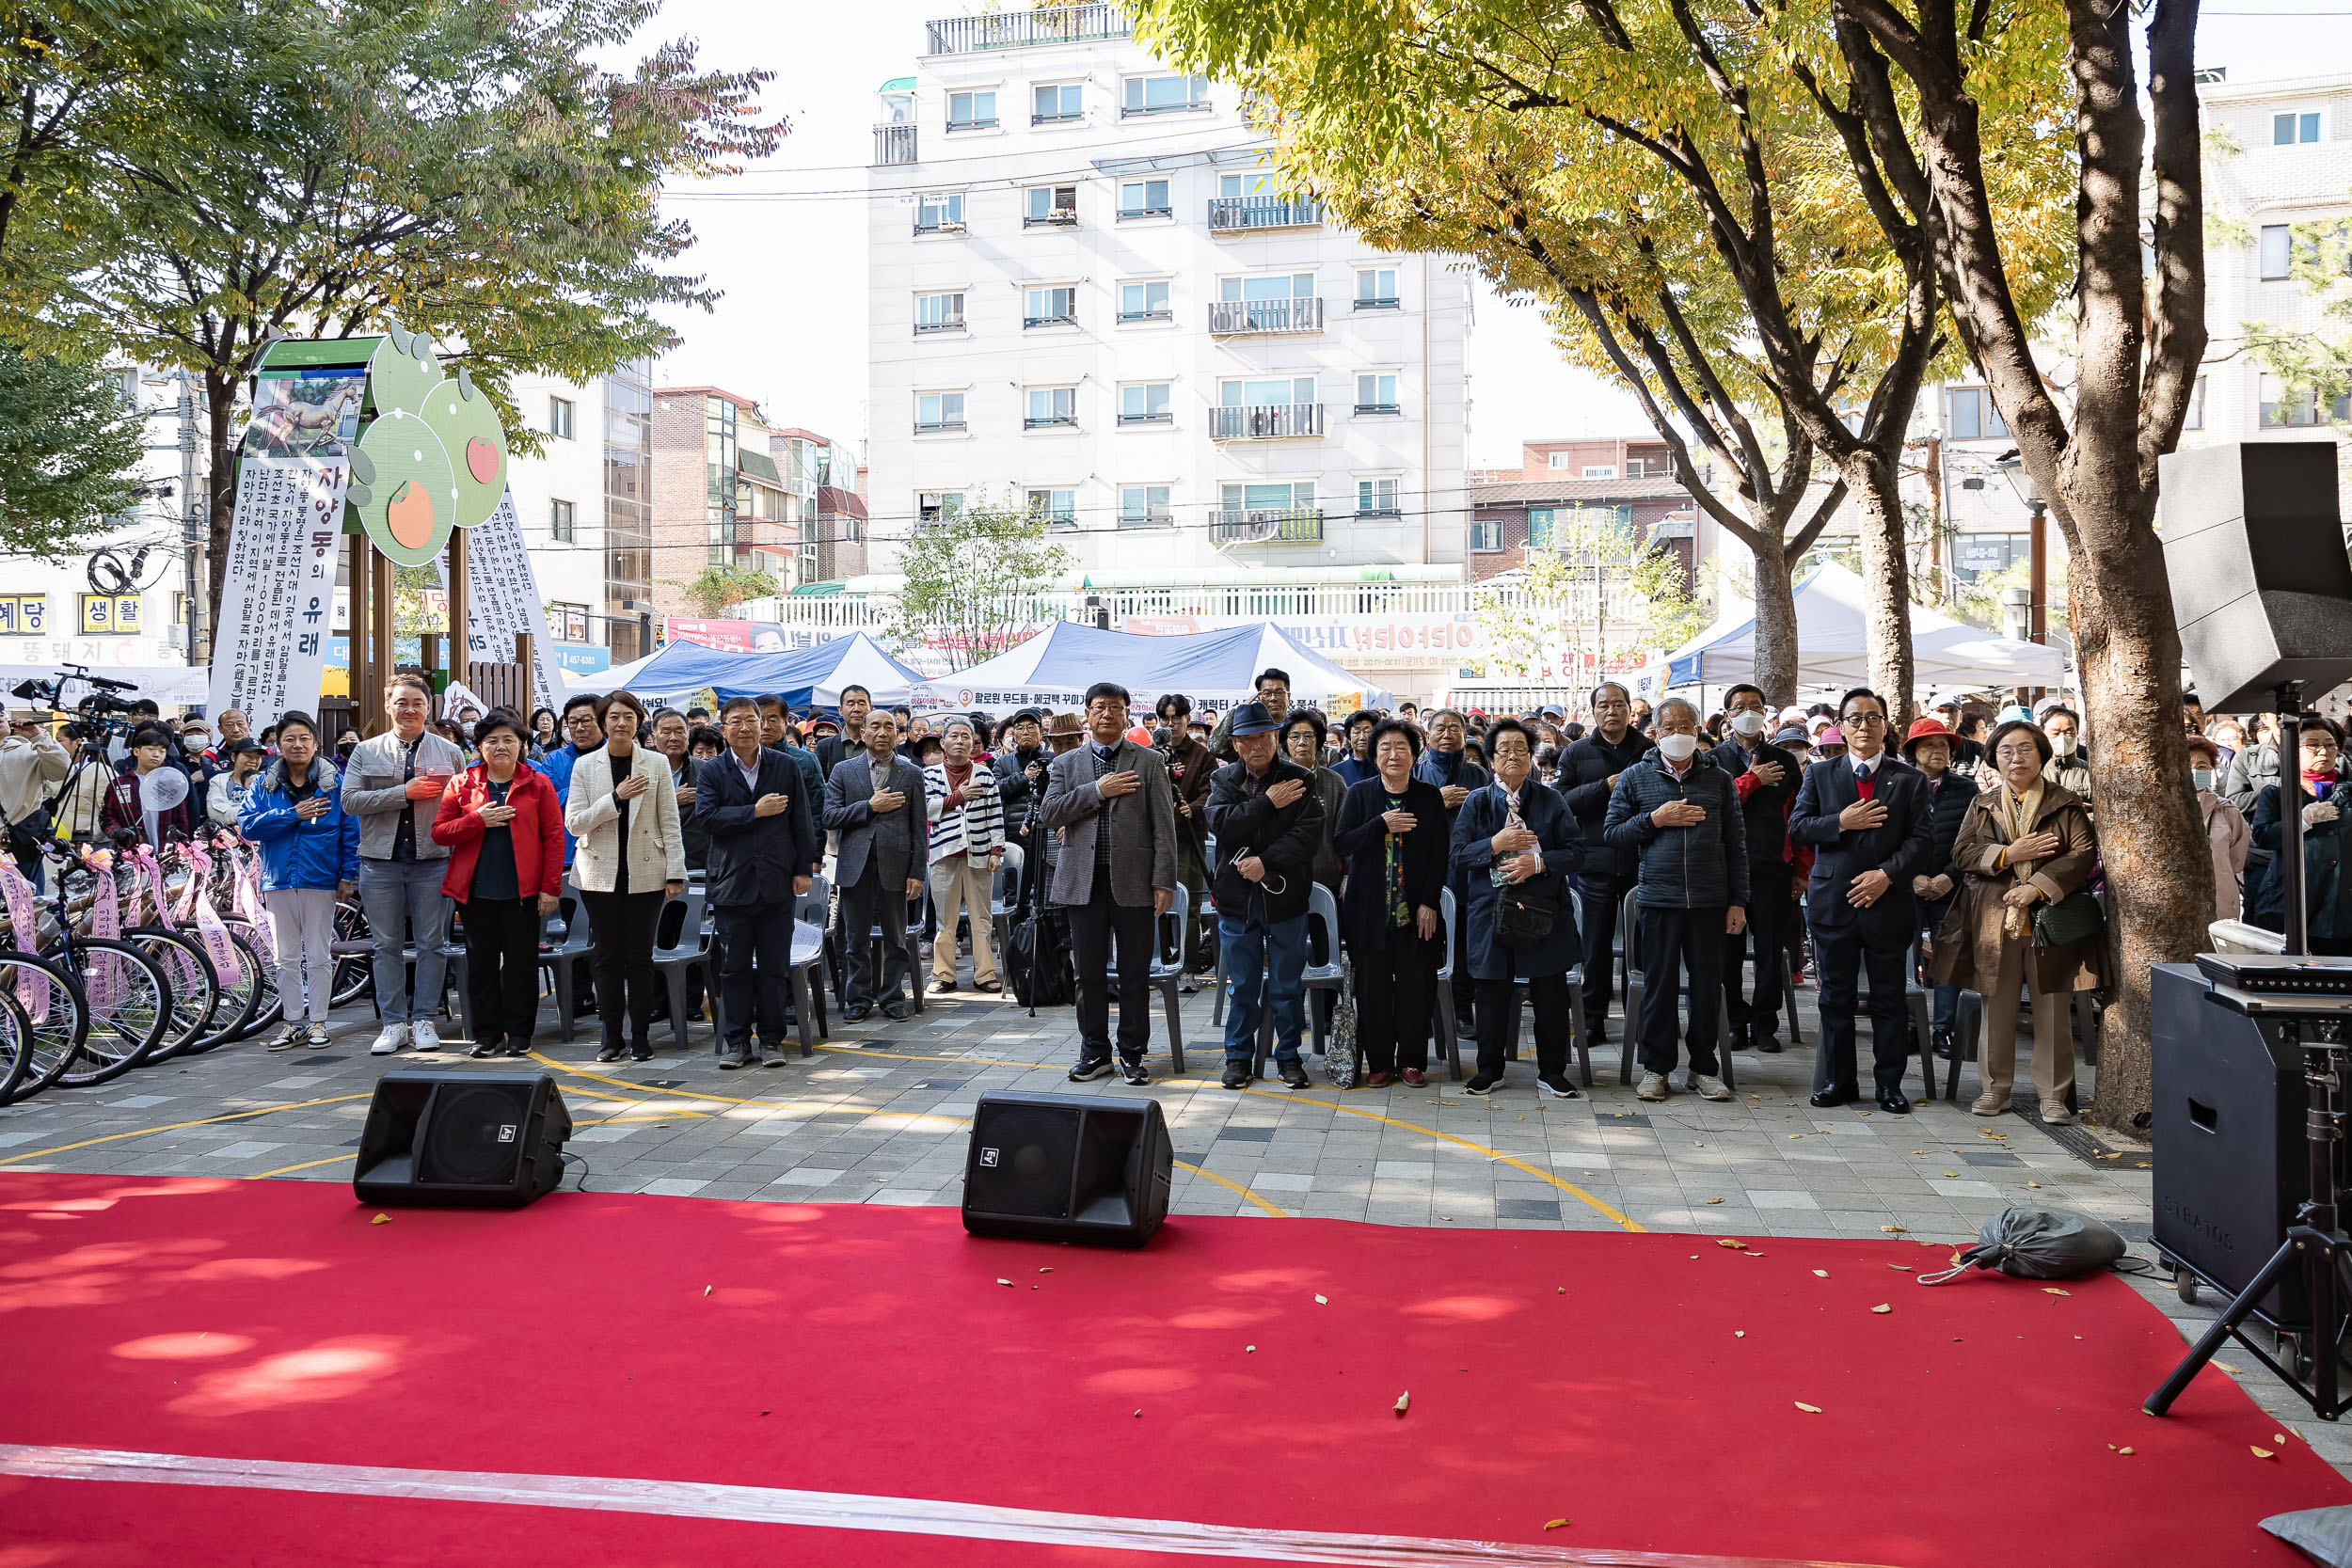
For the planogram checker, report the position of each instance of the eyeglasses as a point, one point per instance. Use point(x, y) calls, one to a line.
point(1851, 719)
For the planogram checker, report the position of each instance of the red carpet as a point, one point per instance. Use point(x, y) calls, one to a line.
point(1595, 1377)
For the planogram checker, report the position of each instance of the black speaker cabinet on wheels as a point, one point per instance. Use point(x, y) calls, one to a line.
point(453, 1139)
point(1066, 1168)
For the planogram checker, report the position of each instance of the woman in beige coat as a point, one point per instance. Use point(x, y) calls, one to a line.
point(2025, 844)
point(631, 860)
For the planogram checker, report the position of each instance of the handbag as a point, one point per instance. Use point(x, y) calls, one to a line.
point(1524, 914)
point(2074, 918)
point(1340, 1041)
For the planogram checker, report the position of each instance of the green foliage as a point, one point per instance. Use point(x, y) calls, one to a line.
point(1536, 618)
point(971, 578)
point(2314, 361)
point(69, 450)
point(720, 588)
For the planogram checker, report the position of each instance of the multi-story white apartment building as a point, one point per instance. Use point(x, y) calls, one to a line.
point(1089, 295)
point(2277, 154)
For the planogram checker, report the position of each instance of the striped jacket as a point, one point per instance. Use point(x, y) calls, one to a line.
point(978, 825)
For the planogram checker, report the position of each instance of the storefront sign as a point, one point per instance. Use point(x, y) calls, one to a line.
point(1375, 641)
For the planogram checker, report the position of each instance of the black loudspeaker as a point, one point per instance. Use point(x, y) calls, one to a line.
point(2253, 542)
point(2232, 1166)
point(452, 1139)
point(1064, 1167)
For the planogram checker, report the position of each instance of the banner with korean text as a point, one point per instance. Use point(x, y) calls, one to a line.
point(277, 599)
point(502, 598)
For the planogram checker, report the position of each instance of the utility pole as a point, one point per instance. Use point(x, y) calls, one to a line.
point(194, 513)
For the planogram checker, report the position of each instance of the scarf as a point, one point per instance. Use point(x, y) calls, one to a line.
point(1400, 911)
point(2017, 815)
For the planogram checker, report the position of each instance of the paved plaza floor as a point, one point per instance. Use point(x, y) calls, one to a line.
point(880, 1111)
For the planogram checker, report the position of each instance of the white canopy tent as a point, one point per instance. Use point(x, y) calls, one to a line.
point(1055, 668)
point(1834, 646)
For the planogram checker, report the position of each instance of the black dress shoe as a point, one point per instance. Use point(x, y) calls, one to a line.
point(1769, 1045)
point(1943, 1044)
point(857, 1012)
point(609, 1053)
point(1837, 1094)
point(894, 1011)
point(1893, 1102)
point(641, 1052)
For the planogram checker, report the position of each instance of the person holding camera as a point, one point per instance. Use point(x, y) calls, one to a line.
point(30, 760)
point(309, 856)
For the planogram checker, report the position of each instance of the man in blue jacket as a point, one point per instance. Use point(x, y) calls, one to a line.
point(1679, 812)
point(1869, 818)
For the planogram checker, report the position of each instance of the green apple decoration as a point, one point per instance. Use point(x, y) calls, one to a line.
point(433, 459)
point(470, 433)
point(403, 488)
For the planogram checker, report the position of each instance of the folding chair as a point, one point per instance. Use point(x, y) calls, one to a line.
point(1449, 1037)
point(1167, 970)
point(808, 966)
point(1634, 985)
point(557, 956)
point(1921, 1002)
point(1004, 901)
point(680, 947)
point(1323, 911)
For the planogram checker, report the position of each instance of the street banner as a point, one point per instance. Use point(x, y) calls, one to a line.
point(278, 598)
point(502, 598)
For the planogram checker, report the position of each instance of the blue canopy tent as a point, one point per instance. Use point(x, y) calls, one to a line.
point(802, 677)
point(1055, 668)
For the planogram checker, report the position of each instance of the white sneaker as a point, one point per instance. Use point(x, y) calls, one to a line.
point(422, 1037)
point(316, 1039)
point(1653, 1086)
point(1710, 1088)
point(388, 1039)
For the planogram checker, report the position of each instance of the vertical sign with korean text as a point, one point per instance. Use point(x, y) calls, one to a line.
point(502, 598)
point(279, 596)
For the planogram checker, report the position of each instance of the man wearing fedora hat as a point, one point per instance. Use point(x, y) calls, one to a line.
point(1268, 821)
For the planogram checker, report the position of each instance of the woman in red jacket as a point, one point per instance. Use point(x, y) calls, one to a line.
point(504, 828)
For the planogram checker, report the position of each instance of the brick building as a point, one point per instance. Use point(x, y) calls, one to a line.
point(1560, 482)
point(731, 490)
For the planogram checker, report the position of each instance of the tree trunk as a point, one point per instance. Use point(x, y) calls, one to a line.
point(2151, 838)
point(1775, 624)
point(220, 403)
point(1886, 573)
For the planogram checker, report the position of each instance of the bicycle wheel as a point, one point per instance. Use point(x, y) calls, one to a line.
point(130, 1008)
point(240, 999)
point(58, 1018)
point(354, 973)
point(16, 1047)
point(265, 1011)
point(194, 986)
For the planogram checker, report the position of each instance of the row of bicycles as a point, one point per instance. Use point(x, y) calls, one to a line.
point(136, 958)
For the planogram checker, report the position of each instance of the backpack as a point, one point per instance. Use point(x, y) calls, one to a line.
point(1036, 955)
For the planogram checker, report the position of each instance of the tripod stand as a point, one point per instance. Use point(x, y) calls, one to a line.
point(2316, 1240)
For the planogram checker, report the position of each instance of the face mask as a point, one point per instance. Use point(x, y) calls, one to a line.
point(1677, 747)
point(2200, 777)
point(1750, 723)
point(2063, 744)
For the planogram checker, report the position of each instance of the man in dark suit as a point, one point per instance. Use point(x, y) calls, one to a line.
point(836, 748)
point(1116, 871)
point(763, 839)
point(1869, 821)
point(1765, 779)
point(1588, 776)
point(875, 802)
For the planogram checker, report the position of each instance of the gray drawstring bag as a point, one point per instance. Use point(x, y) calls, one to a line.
point(2037, 1243)
point(2322, 1534)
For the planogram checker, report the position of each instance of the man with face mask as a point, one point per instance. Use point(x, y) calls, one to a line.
point(2225, 828)
point(2068, 767)
point(1765, 778)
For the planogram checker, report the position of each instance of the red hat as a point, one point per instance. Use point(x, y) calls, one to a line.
point(1922, 728)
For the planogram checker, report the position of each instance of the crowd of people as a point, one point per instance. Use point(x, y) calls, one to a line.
point(1759, 845)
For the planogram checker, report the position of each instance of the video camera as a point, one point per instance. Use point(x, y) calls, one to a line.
point(102, 706)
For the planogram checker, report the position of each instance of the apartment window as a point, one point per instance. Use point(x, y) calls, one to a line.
point(971, 111)
point(1376, 497)
point(2196, 417)
point(1057, 104)
point(938, 314)
point(1051, 308)
point(2277, 250)
point(938, 506)
point(1050, 206)
point(560, 521)
point(1376, 393)
point(1266, 392)
point(940, 213)
point(1145, 301)
point(1598, 470)
point(1559, 460)
point(1059, 508)
point(938, 411)
point(1144, 506)
point(1280, 285)
point(1486, 533)
point(2288, 129)
point(1146, 404)
point(560, 419)
point(1050, 406)
point(1376, 289)
point(2299, 406)
point(1144, 198)
point(1972, 416)
point(567, 622)
point(1647, 467)
point(1298, 496)
point(1156, 95)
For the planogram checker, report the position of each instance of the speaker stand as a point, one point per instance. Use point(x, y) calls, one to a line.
point(2316, 1241)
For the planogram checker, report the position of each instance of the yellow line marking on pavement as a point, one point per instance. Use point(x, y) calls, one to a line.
point(308, 1164)
point(176, 1126)
point(1278, 1214)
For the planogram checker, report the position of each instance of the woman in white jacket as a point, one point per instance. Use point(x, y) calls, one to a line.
point(630, 860)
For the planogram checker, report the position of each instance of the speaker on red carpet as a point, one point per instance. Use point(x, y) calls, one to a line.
point(449, 1138)
point(1067, 1167)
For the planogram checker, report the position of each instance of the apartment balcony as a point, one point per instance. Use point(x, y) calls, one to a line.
point(894, 144)
point(1240, 318)
point(926, 329)
point(973, 35)
point(1050, 421)
point(1290, 525)
point(940, 226)
point(1060, 217)
point(1265, 422)
point(1232, 215)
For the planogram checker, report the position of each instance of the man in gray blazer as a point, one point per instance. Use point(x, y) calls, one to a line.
point(394, 785)
point(874, 801)
point(1117, 865)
